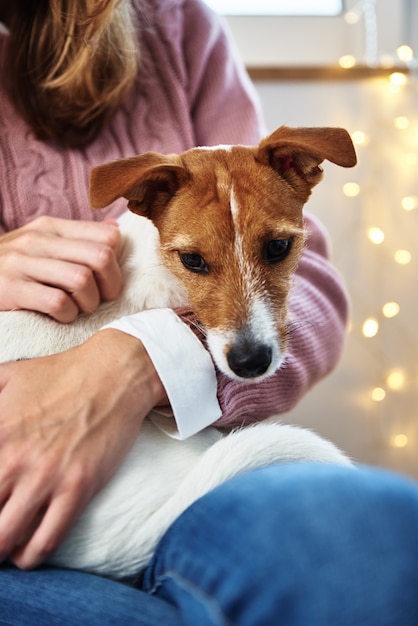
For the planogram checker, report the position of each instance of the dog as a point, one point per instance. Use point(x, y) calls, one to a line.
point(219, 229)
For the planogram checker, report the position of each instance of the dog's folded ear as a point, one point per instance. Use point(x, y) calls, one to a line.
point(296, 153)
point(147, 181)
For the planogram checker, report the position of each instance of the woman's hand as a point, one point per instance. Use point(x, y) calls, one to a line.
point(66, 423)
point(59, 267)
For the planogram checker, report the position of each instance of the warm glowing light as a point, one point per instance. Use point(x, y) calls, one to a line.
point(395, 380)
point(397, 78)
point(347, 61)
point(351, 190)
point(376, 235)
point(378, 394)
point(403, 257)
point(400, 441)
point(370, 327)
point(409, 203)
point(411, 158)
point(391, 309)
point(352, 17)
point(401, 122)
point(360, 138)
point(394, 88)
point(405, 53)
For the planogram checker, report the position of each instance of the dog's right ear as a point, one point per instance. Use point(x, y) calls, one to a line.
point(147, 181)
point(296, 154)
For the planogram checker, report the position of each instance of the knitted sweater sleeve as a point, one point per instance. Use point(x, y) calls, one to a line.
point(222, 99)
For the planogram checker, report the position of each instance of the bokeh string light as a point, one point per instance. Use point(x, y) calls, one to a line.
point(391, 229)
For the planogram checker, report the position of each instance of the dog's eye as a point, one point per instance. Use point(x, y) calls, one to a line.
point(276, 250)
point(194, 262)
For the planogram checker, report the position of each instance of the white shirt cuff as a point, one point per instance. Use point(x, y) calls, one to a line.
point(184, 367)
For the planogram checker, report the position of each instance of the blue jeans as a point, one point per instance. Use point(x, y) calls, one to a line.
point(293, 545)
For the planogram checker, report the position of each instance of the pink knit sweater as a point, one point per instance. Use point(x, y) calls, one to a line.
point(191, 90)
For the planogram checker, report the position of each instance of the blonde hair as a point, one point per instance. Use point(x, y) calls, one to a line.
point(70, 64)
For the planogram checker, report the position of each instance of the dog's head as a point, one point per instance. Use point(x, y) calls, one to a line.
point(231, 229)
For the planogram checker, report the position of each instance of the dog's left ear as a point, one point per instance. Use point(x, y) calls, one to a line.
point(147, 181)
point(296, 153)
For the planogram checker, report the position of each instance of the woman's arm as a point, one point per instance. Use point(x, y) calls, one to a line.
point(223, 101)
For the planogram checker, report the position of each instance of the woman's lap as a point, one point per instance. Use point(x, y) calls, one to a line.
point(295, 544)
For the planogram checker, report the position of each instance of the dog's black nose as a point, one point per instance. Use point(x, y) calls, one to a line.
point(248, 361)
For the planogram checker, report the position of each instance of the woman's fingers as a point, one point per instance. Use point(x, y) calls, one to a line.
point(67, 269)
point(50, 530)
point(45, 527)
point(106, 232)
point(40, 512)
point(20, 515)
point(82, 244)
point(57, 288)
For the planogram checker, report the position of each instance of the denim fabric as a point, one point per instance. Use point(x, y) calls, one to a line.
point(292, 545)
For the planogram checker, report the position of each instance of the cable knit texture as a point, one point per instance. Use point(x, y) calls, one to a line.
point(192, 90)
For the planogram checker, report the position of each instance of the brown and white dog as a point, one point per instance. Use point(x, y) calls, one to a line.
point(221, 232)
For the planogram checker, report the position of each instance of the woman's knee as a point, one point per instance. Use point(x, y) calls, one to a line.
point(300, 539)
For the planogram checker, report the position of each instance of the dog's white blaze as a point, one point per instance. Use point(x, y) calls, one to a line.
point(260, 325)
point(245, 268)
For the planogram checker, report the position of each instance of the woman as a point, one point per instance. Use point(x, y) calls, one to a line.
point(82, 85)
